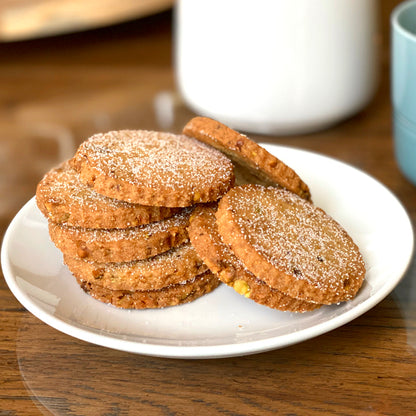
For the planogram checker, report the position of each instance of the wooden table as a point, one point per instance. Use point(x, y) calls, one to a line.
point(54, 93)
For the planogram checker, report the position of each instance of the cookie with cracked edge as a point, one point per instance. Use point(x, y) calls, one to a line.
point(171, 267)
point(153, 168)
point(64, 199)
point(122, 244)
point(290, 244)
point(172, 295)
point(253, 163)
point(220, 259)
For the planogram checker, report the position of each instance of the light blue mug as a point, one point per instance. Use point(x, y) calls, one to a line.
point(403, 83)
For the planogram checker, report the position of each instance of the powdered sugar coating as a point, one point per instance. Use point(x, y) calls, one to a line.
point(65, 181)
point(121, 245)
point(171, 267)
point(142, 166)
point(90, 235)
point(297, 240)
point(64, 199)
point(221, 260)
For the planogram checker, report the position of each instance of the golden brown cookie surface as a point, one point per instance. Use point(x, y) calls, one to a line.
point(290, 244)
point(171, 267)
point(64, 199)
point(153, 168)
point(251, 159)
point(122, 244)
point(173, 295)
point(219, 258)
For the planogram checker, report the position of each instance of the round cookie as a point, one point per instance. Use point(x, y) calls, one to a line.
point(172, 267)
point(121, 245)
point(253, 162)
point(173, 295)
point(153, 168)
point(219, 258)
point(64, 199)
point(290, 244)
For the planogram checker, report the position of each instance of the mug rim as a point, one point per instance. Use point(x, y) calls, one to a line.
point(397, 12)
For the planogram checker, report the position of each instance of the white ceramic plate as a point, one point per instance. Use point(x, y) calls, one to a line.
point(222, 323)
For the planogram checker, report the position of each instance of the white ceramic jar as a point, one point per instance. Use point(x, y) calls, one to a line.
point(276, 66)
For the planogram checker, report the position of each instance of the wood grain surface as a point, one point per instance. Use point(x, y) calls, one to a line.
point(54, 93)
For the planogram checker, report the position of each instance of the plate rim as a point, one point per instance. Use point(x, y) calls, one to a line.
point(206, 351)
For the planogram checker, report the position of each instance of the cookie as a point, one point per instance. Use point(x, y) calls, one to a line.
point(121, 245)
point(253, 162)
point(219, 258)
point(169, 268)
point(153, 168)
point(290, 244)
point(173, 295)
point(64, 199)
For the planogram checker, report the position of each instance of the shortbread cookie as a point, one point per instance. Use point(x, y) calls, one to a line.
point(172, 267)
point(253, 162)
point(153, 168)
point(290, 244)
point(219, 258)
point(64, 199)
point(120, 245)
point(173, 295)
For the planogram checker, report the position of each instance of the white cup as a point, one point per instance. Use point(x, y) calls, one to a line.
point(276, 66)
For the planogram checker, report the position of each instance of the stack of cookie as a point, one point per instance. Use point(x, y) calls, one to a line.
point(119, 212)
point(149, 219)
point(270, 243)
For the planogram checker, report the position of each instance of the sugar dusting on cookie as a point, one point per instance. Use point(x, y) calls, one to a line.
point(65, 181)
point(296, 238)
point(156, 159)
point(220, 259)
point(153, 168)
point(313, 247)
point(90, 235)
point(64, 199)
point(172, 267)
